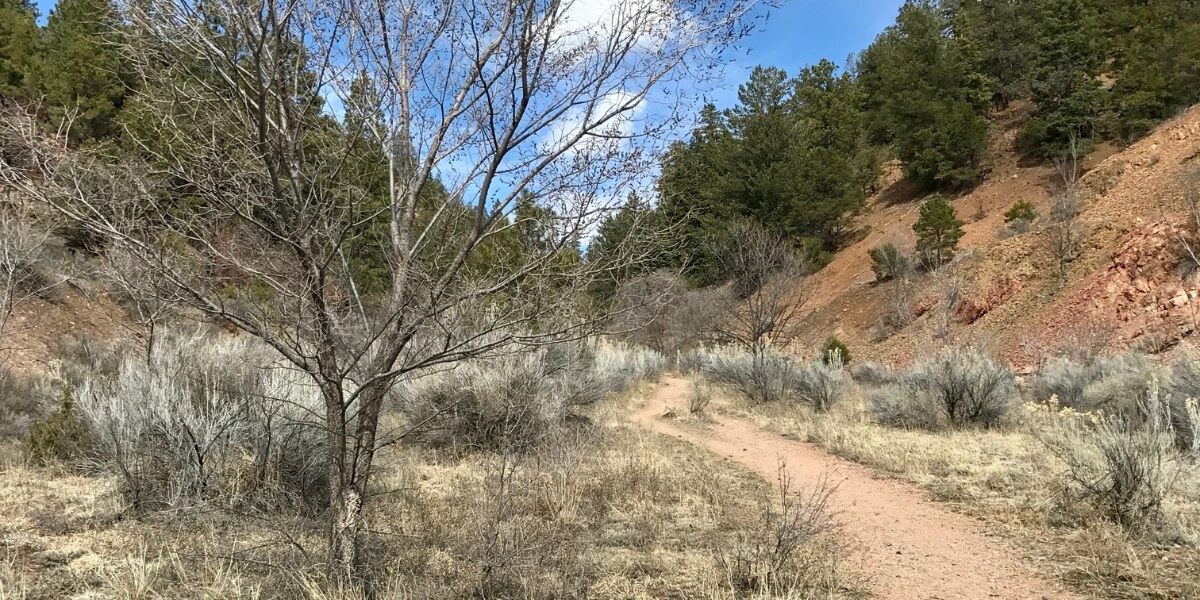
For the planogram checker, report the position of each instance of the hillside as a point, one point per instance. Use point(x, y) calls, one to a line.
point(1124, 285)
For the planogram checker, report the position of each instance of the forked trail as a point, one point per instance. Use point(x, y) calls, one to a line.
point(911, 548)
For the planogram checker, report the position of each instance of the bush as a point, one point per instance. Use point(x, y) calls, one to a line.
point(1184, 386)
point(501, 404)
point(872, 373)
point(20, 405)
point(894, 405)
point(771, 377)
point(699, 395)
point(61, 436)
point(211, 419)
point(760, 378)
point(1105, 383)
point(834, 345)
point(773, 557)
point(1126, 464)
point(887, 262)
point(1022, 210)
point(518, 401)
point(821, 383)
point(958, 387)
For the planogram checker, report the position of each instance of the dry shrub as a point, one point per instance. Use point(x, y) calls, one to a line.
point(775, 557)
point(61, 436)
point(503, 403)
point(759, 378)
point(887, 262)
point(660, 311)
point(699, 395)
point(768, 376)
point(516, 401)
point(21, 401)
point(958, 387)
point(1184, 386)
point(821, 383)
point(872, 373)
point(210, 418)
point(892, 404)
point(1097, 383)
point(1126, 465)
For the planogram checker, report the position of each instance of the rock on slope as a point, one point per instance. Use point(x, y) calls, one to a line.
point(1127, 283)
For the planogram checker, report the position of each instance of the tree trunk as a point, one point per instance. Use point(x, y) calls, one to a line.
point(345, 505)
point(350, 457)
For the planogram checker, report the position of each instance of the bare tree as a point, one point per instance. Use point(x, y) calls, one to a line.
point(492, 100)
point(1064, 228)
point(1187, 237)
point(140, 290)
point(21, 246)
point(767, 284)
point(948, 281)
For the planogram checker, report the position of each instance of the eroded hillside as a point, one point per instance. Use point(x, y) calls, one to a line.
point(1126, 284)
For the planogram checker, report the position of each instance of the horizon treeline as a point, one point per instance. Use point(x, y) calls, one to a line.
point(799, 152)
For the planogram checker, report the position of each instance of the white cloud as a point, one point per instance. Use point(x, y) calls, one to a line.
point(610, 124)
point(649, 23)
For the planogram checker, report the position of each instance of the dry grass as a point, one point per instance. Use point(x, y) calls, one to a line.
point(1019, 487)
point(607, 512)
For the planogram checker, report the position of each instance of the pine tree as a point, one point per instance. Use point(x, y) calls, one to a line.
point(614, 233)
point(938, 230)
point(81, 72)
point(693, 193)
point(1004, 34)
point(18, 46)
point(764, 125)
point(1156, 48)
point(829, 166)
point(930, 95)
point(1065, 87)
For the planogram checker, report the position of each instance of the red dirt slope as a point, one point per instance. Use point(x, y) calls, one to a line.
point(1126, 281)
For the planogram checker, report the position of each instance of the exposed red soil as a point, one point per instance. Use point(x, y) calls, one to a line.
point(1126, 281)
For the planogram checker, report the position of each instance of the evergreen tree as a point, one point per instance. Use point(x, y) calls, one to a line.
point(692, 190)
point(1065, 87)
point(763, 123)
point(18, 46)
point(929, 95)
point(1156, 48)
point(1003, 33)
point(938, 230)
point(614, 233)
point(830, 164)
point(81, 73)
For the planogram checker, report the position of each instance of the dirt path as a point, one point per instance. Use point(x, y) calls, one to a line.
point(910, 547)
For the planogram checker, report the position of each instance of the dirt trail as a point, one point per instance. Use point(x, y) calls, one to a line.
point(910, 547)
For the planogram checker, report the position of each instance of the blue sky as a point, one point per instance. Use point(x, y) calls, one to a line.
point(799, 33)
point(802, 32)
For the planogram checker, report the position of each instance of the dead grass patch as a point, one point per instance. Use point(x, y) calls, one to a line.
point(1012, 481)
point(613, 512)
